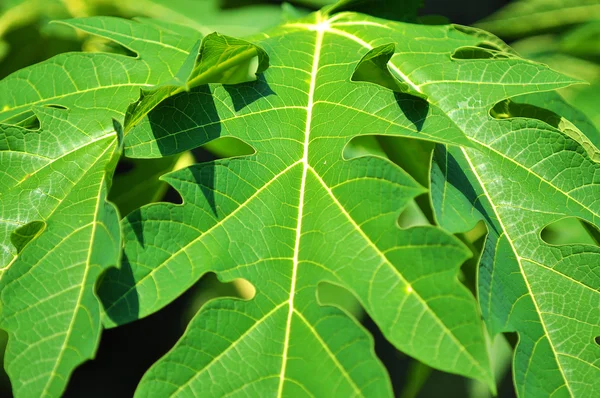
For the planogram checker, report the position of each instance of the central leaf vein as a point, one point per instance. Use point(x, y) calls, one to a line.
point(304, 160)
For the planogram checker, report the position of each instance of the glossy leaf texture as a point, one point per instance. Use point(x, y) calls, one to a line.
point(296, 213)
point(529, 168)
point(65, 235)
point(61, 136)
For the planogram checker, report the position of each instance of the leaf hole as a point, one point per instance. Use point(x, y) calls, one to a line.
point(335, 295)
point(597, 340)
point(225, 147)
point(172, 196)
point(137, 181)
point(56, 106)
point(210, 287)
point(412, 216)
point(363, 145)
point(127, 352)
point(374, 68)
point(28, 120)
point(97, 44)
point(26, 233)
point(571, 231)
point(486, 40)
point(508, 109)
point(481, 51)
point(124, 166)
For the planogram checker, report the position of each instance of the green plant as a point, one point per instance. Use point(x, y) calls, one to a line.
point(301, 207)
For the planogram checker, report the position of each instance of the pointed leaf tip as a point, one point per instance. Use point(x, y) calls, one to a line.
point(374, 68)
point(216, 59)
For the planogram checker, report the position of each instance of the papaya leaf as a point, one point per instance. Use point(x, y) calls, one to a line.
point(60, 139)
point(534, 169)
point(64, 235)
point(217, 59)
point(296, 213)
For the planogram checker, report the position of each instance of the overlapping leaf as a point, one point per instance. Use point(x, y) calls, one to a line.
point(54, 180)
point(58, 233)
point(65, 233)
point(296, 213)
point(530, 168)
point(527, 179)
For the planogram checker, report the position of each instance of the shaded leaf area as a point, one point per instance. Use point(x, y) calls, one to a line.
point(61, 137)
point(125, 353)
point(217, 59)
point(137, 181)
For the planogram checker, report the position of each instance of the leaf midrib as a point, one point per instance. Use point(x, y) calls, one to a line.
point(322, 27)
point(305, 167)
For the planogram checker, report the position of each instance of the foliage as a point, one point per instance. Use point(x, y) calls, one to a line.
point(564, 35)
point(297, 205)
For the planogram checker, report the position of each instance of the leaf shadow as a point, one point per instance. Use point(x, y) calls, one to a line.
point(457, 178)
point(183, 122)
point(414, 108)
point(119, 284)
point(244, 94)
point(191, 119)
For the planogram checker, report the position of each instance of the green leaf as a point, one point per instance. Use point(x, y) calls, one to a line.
point(289, 216)
point(217, 59)
point(54, 177)
point(141, 185)
point(373, 67)
point(529, 17)
point(97, 85)
point(59, 144)
point(531, 168)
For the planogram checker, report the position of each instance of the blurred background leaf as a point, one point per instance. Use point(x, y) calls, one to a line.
point(523, 18)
